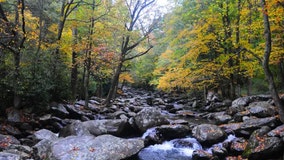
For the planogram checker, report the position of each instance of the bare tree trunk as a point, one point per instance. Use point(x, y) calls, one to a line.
point(269, 76)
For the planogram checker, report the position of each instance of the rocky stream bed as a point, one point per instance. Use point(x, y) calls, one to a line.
point(143, 125)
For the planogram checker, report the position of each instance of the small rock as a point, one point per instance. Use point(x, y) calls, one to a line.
point(201, 155)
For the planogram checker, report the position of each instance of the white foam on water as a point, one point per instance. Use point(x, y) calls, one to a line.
point(148, 132)
point(164, 146)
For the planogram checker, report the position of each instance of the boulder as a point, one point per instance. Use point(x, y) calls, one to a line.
point(149, 117)
point(103, 147)
point(260, 146)
point(77, 111)
point(238, 146)
point(25, 152)
point(208, 134)
point(9, 156)
point(44, 134)
point(221, 117)
point(108, 126)
point(219, 151)
point(244, 101)
point(256, 123)
point(7, 140)
point(261, 109)
point(59, 111)
point(74, 129)
point(42, 149)
point(169, 132)
point(277, 131)
point(248, 126)
point(159, 134)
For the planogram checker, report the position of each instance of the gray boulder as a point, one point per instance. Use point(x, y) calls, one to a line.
point(44, 134)
point(9, 156)
point(169, 132)
point(248, 126)
point(74, 129)
point(208, 134)
point(111, 126)
point(41, 149)
point(261, 109)
point(149, 117)
point(103, 147)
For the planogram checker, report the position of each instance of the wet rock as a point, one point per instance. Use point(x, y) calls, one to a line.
point(261, 109)
point(9, 156)
point(220, 152)
point(7, 140)
point(159, 134)
point(262, 147)
point(74, 129)
point(238, 146)
point(148, 118)
point(201, 155)
point(109, 126)
point(208, 134)
point(103, 147)
point(152, 136)
point(169, 132)
point(180, 143)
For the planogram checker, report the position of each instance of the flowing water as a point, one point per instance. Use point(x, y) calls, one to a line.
point(177, 149)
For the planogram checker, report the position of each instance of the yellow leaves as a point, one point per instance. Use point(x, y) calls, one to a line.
point(126, 77)
point(2, 1)
point(175, 78)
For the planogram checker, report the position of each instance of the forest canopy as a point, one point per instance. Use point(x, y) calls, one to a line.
point(68, 49)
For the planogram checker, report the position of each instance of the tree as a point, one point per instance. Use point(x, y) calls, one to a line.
point(136, 9)
point(15, 43)
point(269, 76)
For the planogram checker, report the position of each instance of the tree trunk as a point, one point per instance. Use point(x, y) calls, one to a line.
point(281, 73)
point(88, 57)
point(74, 69)
point(269, 76)
point(114, 84)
